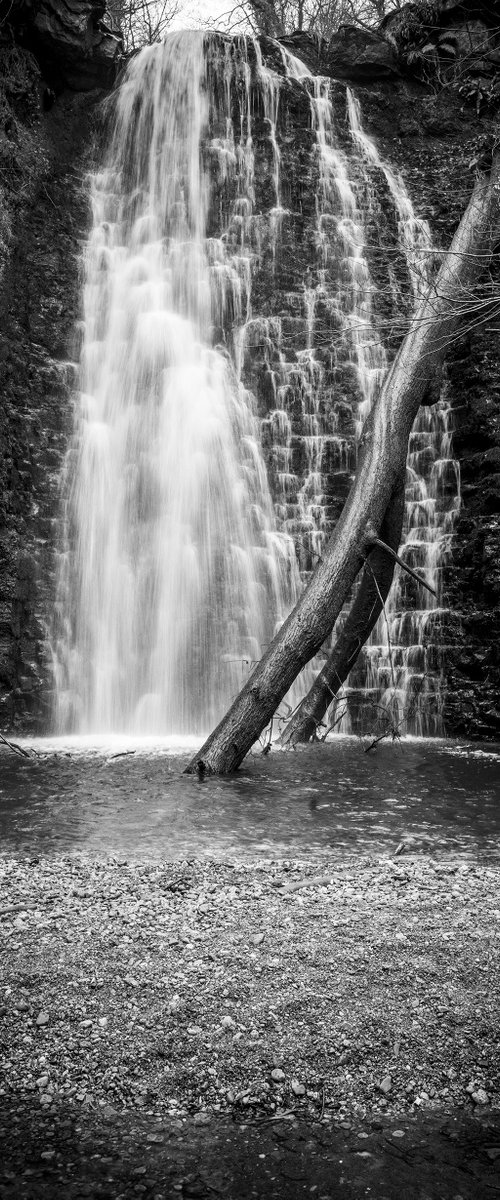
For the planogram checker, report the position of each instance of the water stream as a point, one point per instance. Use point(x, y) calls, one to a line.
point(129, 799)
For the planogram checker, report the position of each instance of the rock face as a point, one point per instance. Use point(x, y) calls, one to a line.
point(44, 215)
point(432, 135)
point(74, 43)
point(353, 53)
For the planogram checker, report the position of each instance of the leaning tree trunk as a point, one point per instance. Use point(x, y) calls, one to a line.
point(382, 460)
point(365, 610)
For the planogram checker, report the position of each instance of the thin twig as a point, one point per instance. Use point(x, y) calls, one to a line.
point(376, 541)
point(14, 747)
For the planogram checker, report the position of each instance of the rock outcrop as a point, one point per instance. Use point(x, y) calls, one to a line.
point(74, 41)
point(46, 135)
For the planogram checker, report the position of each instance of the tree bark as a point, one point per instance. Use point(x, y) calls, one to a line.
point(382, 460)
point(365, 610)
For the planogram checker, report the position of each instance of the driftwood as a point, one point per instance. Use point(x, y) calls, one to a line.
point(382, 460)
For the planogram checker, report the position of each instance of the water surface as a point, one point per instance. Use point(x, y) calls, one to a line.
point(78, 796)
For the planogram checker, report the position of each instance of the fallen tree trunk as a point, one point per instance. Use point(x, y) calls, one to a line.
point(365, 610)
point(381, 464)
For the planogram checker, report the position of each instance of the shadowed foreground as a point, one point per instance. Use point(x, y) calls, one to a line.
point(428, 1156)
point(233, 1029)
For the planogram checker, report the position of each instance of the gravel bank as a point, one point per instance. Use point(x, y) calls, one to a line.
point(194, 988)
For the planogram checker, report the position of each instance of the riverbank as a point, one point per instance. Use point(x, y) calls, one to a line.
point(179, 994)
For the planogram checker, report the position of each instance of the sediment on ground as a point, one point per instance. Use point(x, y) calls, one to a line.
point(180, 989)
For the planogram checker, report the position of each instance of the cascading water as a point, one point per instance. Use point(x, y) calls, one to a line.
point(174, 575)
point(400, 668)
point(233, 344)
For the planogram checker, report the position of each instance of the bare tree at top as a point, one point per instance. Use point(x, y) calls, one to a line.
point(143, 22)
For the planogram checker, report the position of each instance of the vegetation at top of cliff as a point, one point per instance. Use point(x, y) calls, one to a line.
point(143, 22)
point(277, 18)
point(458, 49)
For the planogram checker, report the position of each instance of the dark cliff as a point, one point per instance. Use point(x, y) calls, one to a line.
point(429, 94)
point(47, 129)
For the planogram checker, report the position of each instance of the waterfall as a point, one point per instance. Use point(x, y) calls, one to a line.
point(233, 343)
point(401, 667)
point(174, 575)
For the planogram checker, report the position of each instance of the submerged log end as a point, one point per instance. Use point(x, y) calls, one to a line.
point(215, 758)
point(298, 733)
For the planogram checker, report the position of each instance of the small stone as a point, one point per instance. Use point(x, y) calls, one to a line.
point(258, 938)
point(398, 1133)
point(103, 1022)
point(298, 1089)
point(23, 1006)
point(19, 924)
point(42, 1081)
point(131, 981)
point(277, 1075)
point(47, 1154)
point(386, 1085)
point(480, 1096)
point(42, 1019)
point(227, 1022)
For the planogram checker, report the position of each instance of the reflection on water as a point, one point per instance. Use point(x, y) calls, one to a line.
point(132, 800)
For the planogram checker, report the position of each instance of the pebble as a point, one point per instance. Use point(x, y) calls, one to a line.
point(227, 1022)
point(42, 1019)
point(386, 1085)
point(298, 1089)
point(277, 1075)
point(480, 1097)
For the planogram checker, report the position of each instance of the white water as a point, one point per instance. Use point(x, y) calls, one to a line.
point(339, 295)
point(174, 576)
point(176, 567)
point(403, 658)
